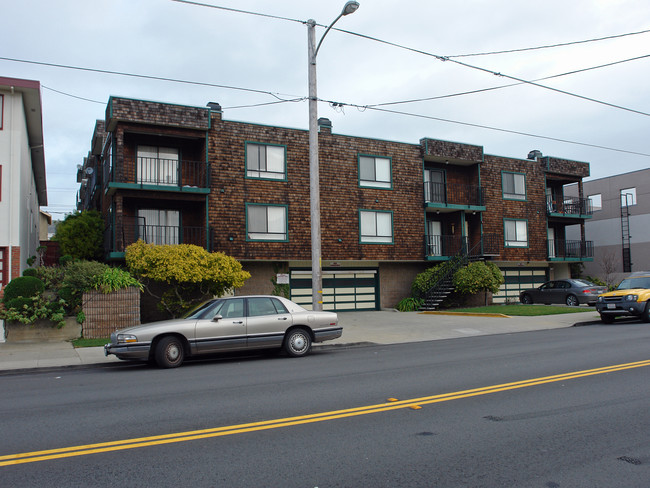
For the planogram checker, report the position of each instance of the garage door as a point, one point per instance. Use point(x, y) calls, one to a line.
point(517, 279)
point(343, 289)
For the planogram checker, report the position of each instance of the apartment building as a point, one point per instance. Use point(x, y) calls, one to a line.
point(170, 173)
point(620, 226)
point(22, 174)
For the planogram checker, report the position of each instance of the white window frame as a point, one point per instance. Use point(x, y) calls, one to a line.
point(518, 185)
point(266, 161)
point(515, 233)
point(596, 201)
point(157, 165)
point(375, 172)
point(375, 227)
point(631, 199)
point(266, 222)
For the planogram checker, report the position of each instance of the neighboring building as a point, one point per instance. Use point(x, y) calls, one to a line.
point(22, 174)
point(169, 173)
point(620, 227)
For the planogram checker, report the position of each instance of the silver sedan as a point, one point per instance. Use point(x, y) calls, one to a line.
point(573, 292)
point(227, 324)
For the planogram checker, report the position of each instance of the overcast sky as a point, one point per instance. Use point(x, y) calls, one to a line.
point(168, 39)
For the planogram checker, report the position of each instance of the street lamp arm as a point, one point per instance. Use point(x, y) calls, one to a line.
point(348, 8)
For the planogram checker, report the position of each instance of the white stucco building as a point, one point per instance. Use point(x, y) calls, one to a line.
point(22, 174)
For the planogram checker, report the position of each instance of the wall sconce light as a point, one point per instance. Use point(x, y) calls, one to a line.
point(446, 162)
point(453, 228)
point(231, 238)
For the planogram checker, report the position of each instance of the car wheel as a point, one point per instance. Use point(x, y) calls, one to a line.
point(572, 301)
point(169, 352)
point(607, 319)
point(645, 316)
point(297, 342)
point(526, 299)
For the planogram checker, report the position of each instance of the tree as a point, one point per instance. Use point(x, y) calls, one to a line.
point(609, 265)
point(81, 235)
point(191, 273)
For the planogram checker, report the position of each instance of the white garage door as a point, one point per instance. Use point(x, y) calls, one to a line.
point(343, 289)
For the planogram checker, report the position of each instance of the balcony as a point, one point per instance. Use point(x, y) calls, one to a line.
point(118, 237)
point(443, 247)
point(563, 250)
point(160, 174)
point(569, 207)
point(453, 196)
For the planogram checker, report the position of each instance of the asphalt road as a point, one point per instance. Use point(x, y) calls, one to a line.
point(529, 409)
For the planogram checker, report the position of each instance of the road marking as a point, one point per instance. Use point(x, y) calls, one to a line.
point(413, 403)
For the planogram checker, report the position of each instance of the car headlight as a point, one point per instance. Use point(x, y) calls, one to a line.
point(123, 338)
point(631, 298)
point(600, 299)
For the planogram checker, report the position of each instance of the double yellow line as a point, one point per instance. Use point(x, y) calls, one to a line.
point(391, 404)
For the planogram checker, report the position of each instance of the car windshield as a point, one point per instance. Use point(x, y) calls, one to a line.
point(631, 283)
point(206, 308)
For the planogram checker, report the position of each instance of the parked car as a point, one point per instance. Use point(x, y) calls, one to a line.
point(573, 292)
point(631, 298)
point(227, 324)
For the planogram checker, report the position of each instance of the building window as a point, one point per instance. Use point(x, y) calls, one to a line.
point(515, 233)
point(376, 227)
point(374, 172)
point(159, 226)
point(265, 161)
point(2, 110)
point(157, 165)
point(596, 201)
point(628, 197)
point(266, 222)
point(513, 185)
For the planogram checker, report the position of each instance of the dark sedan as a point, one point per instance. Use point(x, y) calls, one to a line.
point(573, 292)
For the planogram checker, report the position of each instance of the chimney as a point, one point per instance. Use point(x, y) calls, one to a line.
point(324, 125)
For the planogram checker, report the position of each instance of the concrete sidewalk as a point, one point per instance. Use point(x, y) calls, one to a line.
point(381, 327)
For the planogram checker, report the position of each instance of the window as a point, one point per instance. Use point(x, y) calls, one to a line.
point(374, 172)
point(596, 201)
point(4, 266)
point(376, 227)
point(265, 306)
point(2, 110)
point(159, 226)
point(516, 233)
point(513, 186)
point(265, 161)
point(157, 165)
point(266, 222)
point(628, 197)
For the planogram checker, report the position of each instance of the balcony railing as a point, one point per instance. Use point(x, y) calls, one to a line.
point(447, 246)
point(453, 194)
point(117, 238)
point(569, 206)
point(563, 249)
point(163, 172)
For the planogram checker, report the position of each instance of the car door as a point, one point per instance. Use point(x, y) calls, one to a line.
point(268, 320)
point(547, 292)
point(227, 333)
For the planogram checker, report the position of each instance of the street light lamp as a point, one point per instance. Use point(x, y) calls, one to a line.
point(314, 178)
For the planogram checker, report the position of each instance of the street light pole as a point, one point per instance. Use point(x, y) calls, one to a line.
point(314, 172)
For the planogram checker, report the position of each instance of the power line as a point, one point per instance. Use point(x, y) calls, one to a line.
point(147, 77)
point(481, 90)
point(72, 96)
point(549, 46)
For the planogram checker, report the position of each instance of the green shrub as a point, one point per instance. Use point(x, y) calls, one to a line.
point(19, 303)
point(425, 280)
point(65, 260)
point(595, 281)
point(31, 272)
point(113, 279)
point(409, 304)
point(23, 286)
point(52, 276)
point(478, 276)
point(81, 275)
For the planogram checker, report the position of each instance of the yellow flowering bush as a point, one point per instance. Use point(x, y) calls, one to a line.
point(478, 276)
point(193, 273)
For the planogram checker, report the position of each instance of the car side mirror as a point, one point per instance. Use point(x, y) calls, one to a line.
point(217, 318)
